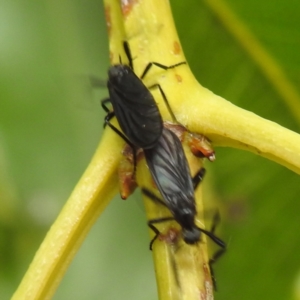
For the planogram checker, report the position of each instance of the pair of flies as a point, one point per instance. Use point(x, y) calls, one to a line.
point(143, 128)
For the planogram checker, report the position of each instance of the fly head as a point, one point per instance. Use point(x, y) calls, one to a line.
point(191, 235)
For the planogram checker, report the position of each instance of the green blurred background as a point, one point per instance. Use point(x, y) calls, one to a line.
point(51, 123)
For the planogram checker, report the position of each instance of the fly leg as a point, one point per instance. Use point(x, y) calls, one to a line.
point(148, 67)
point(108, 117)
point(198, 177)
point(156, 231)
point(165, 100)
point(218, 253)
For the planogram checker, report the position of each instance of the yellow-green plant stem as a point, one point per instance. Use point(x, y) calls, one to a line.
point(89, 198)
point(148, 27)
point(152, 37)
point(182, 263)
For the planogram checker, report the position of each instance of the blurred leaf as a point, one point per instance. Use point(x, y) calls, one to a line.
point(51, 123)
point(259, 198)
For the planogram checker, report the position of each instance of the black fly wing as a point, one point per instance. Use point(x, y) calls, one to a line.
point(134, 107)
point(170, 171)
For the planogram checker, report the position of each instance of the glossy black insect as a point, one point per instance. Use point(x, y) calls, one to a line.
point(170, 171)
point(134, 106)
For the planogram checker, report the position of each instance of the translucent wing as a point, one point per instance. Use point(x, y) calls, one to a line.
point(170, 171)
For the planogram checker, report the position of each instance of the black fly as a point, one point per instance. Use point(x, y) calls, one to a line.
point(134, 106)
point(170, 171)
